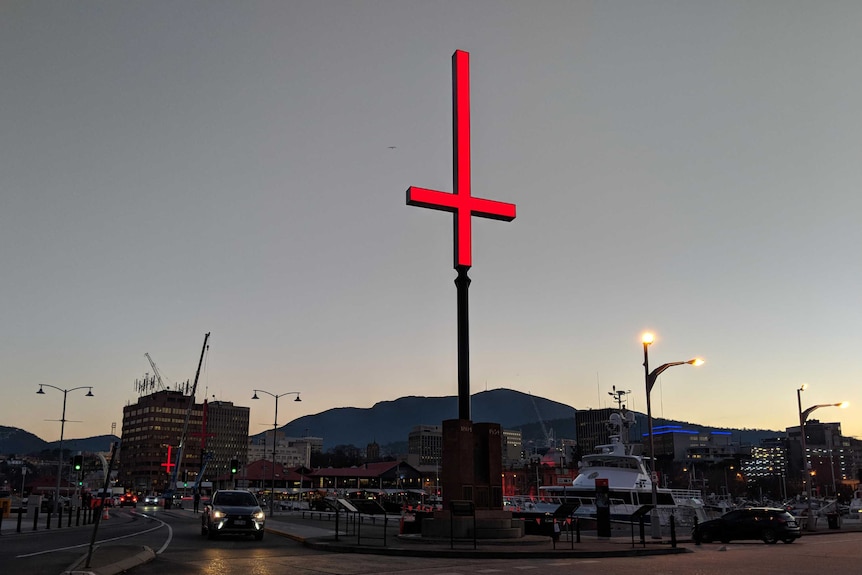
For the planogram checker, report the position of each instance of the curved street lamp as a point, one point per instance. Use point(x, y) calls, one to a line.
point(650, 376)
point(274, 427)
point(806, 473)
point(41, 391)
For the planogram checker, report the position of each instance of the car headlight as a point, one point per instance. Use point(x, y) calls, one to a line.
point(218, 514)
point(258, 515)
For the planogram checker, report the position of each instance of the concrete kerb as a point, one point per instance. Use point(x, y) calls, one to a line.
point(411, 545)
point(111, 560)
point(406, 546)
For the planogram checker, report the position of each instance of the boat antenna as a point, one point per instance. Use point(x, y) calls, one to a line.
point(619, 397)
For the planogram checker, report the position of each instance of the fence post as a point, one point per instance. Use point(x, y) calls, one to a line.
point(696, 532)
point(672, 530)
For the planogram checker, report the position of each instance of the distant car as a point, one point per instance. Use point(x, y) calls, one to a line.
point(48, 504)
point(97, 498)
point(151, 499)
point(232, 511)
point(128, 499)
point(765, 523)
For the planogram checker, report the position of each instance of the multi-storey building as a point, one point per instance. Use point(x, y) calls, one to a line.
point(513, 445)
point(591, 428)
point(833, 459)
point(425, 445)
point(289, 451)
point(152, 428)
point(226, 436)
point(151, 433)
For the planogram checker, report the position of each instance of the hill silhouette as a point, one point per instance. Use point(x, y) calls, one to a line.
point(389, 422)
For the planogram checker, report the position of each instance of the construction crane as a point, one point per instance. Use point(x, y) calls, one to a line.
point(181, 447)
point(549, 436)
point(156, 372)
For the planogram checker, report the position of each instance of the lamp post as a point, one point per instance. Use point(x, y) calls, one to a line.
point(806, 473)
point(650, 377)
point(274, 427)
point(41, 391)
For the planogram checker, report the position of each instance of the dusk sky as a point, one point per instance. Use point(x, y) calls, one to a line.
point(169, 169)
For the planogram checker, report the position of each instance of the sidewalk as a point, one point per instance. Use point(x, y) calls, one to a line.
point(368, 539)
point(320, 534)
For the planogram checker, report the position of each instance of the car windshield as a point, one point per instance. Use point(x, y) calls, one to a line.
point(235, 499)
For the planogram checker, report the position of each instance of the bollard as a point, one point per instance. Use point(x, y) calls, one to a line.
point(69, 523)
point(78, 517)
point(641, 530)
point(672, 530)
point(578, 528)
point(35, 517)
point(696, 532)
point(20, 514)
point(48, 519)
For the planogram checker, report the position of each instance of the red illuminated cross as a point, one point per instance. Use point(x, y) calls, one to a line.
point(167, 465)
point(461, 203)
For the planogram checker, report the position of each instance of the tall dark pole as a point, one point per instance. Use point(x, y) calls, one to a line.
point(655, 527)
point(272, 492)
point(274, 429)
point(463, 206)
point(62, 430)
point(806, 476)
point(462, 282)
point(650, 378)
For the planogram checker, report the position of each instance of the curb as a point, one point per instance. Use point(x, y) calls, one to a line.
point(145, 555)
point(424, 550)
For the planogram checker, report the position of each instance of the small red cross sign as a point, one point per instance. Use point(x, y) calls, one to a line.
point(168, 464)
point(461, 203)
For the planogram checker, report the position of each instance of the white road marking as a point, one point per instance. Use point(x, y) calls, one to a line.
point(163, 524)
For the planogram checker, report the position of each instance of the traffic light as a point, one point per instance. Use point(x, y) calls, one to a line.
point(77, 462)
point(234, 466)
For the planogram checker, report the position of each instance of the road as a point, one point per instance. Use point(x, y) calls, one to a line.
point(50, 551)
point(175, 536)
point(191, 554)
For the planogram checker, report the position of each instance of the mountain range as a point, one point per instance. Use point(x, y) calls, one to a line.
point(388, 423)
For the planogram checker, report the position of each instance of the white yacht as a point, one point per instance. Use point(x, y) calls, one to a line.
point(629, 483)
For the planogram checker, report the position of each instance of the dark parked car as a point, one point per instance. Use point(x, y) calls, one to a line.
point(764, 523)
point(232, 511)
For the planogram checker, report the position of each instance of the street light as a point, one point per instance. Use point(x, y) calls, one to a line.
point(651, 377)
point(41, 391)
point(274, 427)
point(806, 473)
